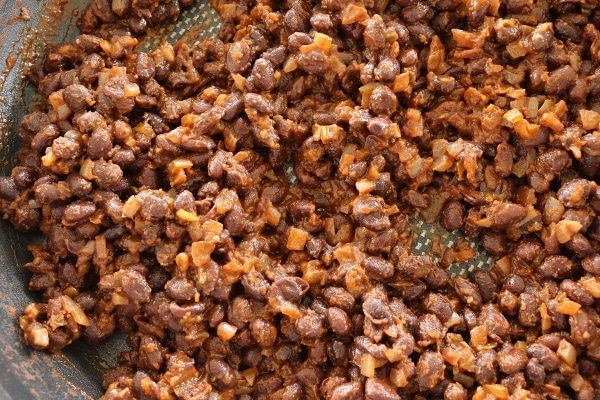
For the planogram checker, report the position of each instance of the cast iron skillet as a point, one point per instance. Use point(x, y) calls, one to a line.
point(26, 373)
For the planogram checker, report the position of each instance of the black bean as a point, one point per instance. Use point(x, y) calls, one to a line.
point(534, 372)
point(453, 215)
point(508, 302)
point(455, 391)
point(339, 321)
point(486, 284)
point(347, 391)
point(529, 306)
point(239, 56)
point(468, 292)
point(44, 137)
point(23, 177)
point(338, 297)
point(292, 392)
point(583, 328)
point(553, 161)
point(556, 266)
point(546, 357)
point(90, 68)
point(575, 192)
point(368, 212)
point(560, 79)
point(429, 370)
point(8, 189)
point(439, 305)
point(492, 318)
point(78, 97)
point(310, 325)
point(378, 268)
point(99, 144)
point(266, 384)
point(485, 367)
point(429, 330)
point(511, 359)
point(576, 292)
point(383, 101)
point(78, 211)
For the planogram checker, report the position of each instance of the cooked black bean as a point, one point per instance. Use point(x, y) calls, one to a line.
point(468, 292)
point(529, 306)
point(495, 322)
point(429, 330)
point(560, 79)
point(511, 359)
point(486, 284)
point(239, 56)
point(485, 367)
point(574, 193)
point(339, 297)
point(455, 391)
point(556, 266)
point(90, 68)
point(78, 97)
point(368, 212)
point(453, 215)
point(439, 305)
point(310, 325)
point(429, 370)
point(78, 211)
point(8, 188)
point(100, 144)
point(546, 357)
point(576, 292)
point(378, 268)
point(267, 384)
point(583, 328)
point(494, 243)
point(44, 137)
point(508, 302)
point(339, 321)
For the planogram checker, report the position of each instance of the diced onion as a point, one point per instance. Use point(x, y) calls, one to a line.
point(567, 352)
point(297, 239)
point(499, 392)
point(75, 310)
point(201, 251)
point(186, 216)
point(226, 331)
point(367, 366)
point(567, 307)
point(576, 382)
point(592, 285)
point(131, 207)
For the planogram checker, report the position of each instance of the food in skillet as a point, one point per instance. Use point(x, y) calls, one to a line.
point(241, 207)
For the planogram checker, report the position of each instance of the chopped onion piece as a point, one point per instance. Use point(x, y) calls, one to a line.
point(297, 239)
point(567, 352)
point(226, 331)
point(75, 310)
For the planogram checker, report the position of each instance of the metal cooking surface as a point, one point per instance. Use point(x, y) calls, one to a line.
point(200, 19)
